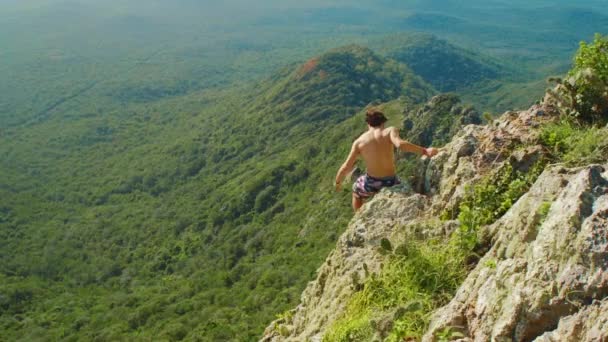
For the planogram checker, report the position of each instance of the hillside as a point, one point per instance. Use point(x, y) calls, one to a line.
point(492, 84)
point(129, 52)
point(332, 87)
point(443, 65)
point(438, 120)
point(350, 77)
point(190, 216)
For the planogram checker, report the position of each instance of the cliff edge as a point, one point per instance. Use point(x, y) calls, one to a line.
point(539, 271)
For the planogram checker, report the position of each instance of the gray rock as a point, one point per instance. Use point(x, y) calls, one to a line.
point(357, 255)
point(545, 270)
point(588, 325)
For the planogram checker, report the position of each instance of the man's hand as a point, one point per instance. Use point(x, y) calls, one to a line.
point(338, 187)
point(431, 151)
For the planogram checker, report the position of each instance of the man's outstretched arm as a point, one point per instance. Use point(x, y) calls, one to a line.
point(407, 146)
point(347, 166)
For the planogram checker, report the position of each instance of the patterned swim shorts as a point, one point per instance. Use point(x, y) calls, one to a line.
point(367, 186)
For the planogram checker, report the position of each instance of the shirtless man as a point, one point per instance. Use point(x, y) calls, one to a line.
point(376, 146)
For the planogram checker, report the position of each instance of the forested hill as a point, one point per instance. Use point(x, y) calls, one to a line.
point(442, 64)
point(197, 216)
point(349, 77)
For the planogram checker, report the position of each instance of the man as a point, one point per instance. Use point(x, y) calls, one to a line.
point(376, 146)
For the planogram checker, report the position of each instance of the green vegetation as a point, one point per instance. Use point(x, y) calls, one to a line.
point(419, 277)
point(583, 95)
point(492, 196)
point(498, 96)
point(578, 138)
point(443, 65)
point(593, 56)
point(575, 144)
point(448, 334)
point(203, 225)
point(489, 199)
point(491, 84)
point(490, 263)
point(349, 77)
point(543, 211)
point(439, 119)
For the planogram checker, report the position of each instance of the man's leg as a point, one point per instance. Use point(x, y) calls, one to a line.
point(357, 202)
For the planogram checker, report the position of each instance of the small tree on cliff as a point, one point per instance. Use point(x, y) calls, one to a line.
point(583, 94)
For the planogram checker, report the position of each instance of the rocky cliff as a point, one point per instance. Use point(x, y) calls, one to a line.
point(539, 271)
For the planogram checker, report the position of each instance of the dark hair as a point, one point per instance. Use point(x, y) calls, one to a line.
point(374, 117)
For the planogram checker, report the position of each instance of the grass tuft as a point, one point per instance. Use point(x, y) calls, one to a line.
point(574, 144)
point(411, 285)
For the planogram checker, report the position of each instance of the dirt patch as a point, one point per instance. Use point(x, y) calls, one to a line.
point(307, 67)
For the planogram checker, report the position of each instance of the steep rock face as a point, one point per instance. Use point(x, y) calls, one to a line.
point(477, 150)
point(357, 255)
point(538, 269)
point(589, 324)
point(541, 270)
point(544, 275)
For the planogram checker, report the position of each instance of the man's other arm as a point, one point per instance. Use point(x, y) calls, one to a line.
point(406, 146)
point(347, 166)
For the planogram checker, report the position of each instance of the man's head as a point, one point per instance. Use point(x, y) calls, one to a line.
point(374, 117)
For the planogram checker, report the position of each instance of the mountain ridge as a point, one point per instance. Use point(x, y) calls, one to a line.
point(444, 65)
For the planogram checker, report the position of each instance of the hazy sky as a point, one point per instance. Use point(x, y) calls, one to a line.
point(250, 10)
point(44, 42)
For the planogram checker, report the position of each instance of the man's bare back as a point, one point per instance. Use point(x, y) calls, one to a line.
point(377, 150)
point(376, 147)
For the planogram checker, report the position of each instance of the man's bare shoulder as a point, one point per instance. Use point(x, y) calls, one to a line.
point(359, 140)
point(362, 137)
point(389, 130)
